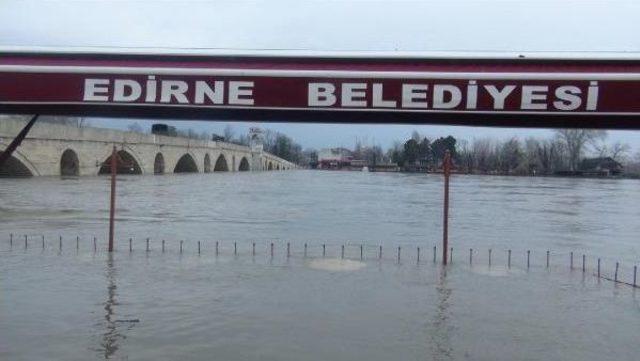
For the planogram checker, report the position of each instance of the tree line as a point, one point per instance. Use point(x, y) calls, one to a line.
point(561, 152)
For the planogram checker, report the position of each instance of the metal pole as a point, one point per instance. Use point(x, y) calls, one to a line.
point(379, 252)
point(181, 246)
point(434, 254)
point(198, 247)
point(598, 267)
point(635, 274)
point(95, 244)
point(361, 253)
point(418, 261)
point(147, 244)
point(217, 247)
point(445, 212)
point(305, 250)
point(489, 257)
point(528, 258)
point(11, 239)
point(615, 278)
point(43, 242)
point(584, 261)
point(235, 248)
point(130, 244)
point(324, 249)
point(112, 206)
point(470, 256)
point(342, 252)
point(25, 241)
point(288, 249)
point(77, 242)
point(398, 254)
point(509, 259)
point(163, 246)
point(451, 255)
point(60, 243)
point(253, 249)
point(271, 249)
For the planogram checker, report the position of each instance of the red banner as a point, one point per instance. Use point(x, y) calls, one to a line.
point(503, 92)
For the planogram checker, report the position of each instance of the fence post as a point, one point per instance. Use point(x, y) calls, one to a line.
point(471, 256)
point(635, 273)
point(361, 253)
point(25, 241)
point(42, 241)
point(10, 239)
point(130, 244)
point(342, 252)
point(324, 250)
point(288, 249)
point(147, 244)
point(380, 252)
point(489, 257)
point(418, 255)
point(253, 249)
point(528, 258)
point(181, 241)
point(509, 259)
point(305, 250)
point(235, 248)
point(616, 275)
point(60, 245)
point(77, 243)
point(584, 261)
point(163, 246)
point(571, 261)
point(95, 244)
point(198, 247)
point(548, 258)
point(598, 267)
point(434, 254)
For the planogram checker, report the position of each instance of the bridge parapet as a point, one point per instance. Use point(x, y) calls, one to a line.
point(87, 148)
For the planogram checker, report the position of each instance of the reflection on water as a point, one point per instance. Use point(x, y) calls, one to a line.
point(440, 336)
point(113, 335)
point(110, 338)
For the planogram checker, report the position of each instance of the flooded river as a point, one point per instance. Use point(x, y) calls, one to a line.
point(77, 304)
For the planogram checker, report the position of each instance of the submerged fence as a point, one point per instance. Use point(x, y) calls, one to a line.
point(602, 268)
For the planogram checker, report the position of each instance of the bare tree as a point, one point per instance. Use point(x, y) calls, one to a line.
point(229, 133)
point(576, 140)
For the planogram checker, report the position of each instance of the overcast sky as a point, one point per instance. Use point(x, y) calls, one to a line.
point(389, 25)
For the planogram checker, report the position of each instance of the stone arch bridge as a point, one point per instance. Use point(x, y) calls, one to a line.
point(54, 150)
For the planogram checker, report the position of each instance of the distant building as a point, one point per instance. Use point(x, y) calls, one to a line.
point(600, 166)
point(334, 158)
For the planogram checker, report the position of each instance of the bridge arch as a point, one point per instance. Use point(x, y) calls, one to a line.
point(186, 164)
point(16, 167)
point(244, 165)
point(207, 163)
point(69, 163)
point(131, 164)
point(158, 164)
point(270, 166)
point(221, 164)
